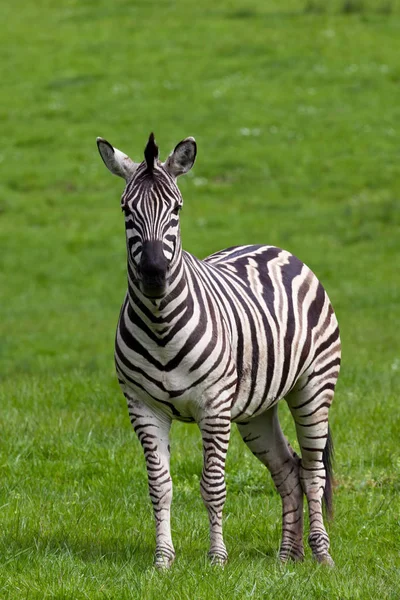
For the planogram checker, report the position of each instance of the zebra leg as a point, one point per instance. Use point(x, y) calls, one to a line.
point(215, 431)
point(309, 406)
point(263, 435)
point(152, 430)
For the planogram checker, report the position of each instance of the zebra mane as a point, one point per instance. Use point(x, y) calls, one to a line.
point(151, 153)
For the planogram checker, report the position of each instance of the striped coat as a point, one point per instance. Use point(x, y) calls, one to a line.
point(217, 341)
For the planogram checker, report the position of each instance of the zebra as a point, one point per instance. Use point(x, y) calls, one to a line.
point(217, 341)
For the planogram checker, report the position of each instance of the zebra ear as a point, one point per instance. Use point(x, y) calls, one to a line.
point(116, 161)
point(182, 158)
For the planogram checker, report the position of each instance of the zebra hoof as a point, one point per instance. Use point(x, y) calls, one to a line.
point(324, 559)
point(291, 558)
point(217, 559)
point(163, 562)
point(292, 554)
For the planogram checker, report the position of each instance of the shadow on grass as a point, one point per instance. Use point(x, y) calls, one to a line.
point(88, 548)
point(118, 551)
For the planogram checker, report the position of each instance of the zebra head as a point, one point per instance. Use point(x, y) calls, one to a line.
point(151, 202)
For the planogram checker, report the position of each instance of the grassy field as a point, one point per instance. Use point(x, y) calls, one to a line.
point(296, 110)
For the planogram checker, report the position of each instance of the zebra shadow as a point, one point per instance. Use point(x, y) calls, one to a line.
point(88, 547)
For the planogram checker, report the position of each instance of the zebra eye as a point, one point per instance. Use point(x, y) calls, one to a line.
point(176, 209)
point(125, 209)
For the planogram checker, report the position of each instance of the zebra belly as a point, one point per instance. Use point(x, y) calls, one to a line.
point(245, 408)
point(270, 370)
point(257, 389)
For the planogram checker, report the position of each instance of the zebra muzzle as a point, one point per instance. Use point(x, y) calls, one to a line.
point(152, 269)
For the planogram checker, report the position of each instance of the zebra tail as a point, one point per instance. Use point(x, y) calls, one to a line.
point(327, 459)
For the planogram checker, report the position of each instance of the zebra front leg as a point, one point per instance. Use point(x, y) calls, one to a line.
point(152, 430)
point(215, 431)
point(263, 435)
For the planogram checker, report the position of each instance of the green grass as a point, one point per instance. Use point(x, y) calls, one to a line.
point(296, 112)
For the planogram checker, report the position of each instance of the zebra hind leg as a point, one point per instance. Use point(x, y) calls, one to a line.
point(309, 406)
point(153, 432)
point(263, 435)
point(215, 431)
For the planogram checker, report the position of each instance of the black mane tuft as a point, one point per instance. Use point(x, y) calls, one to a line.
point(151, 153)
